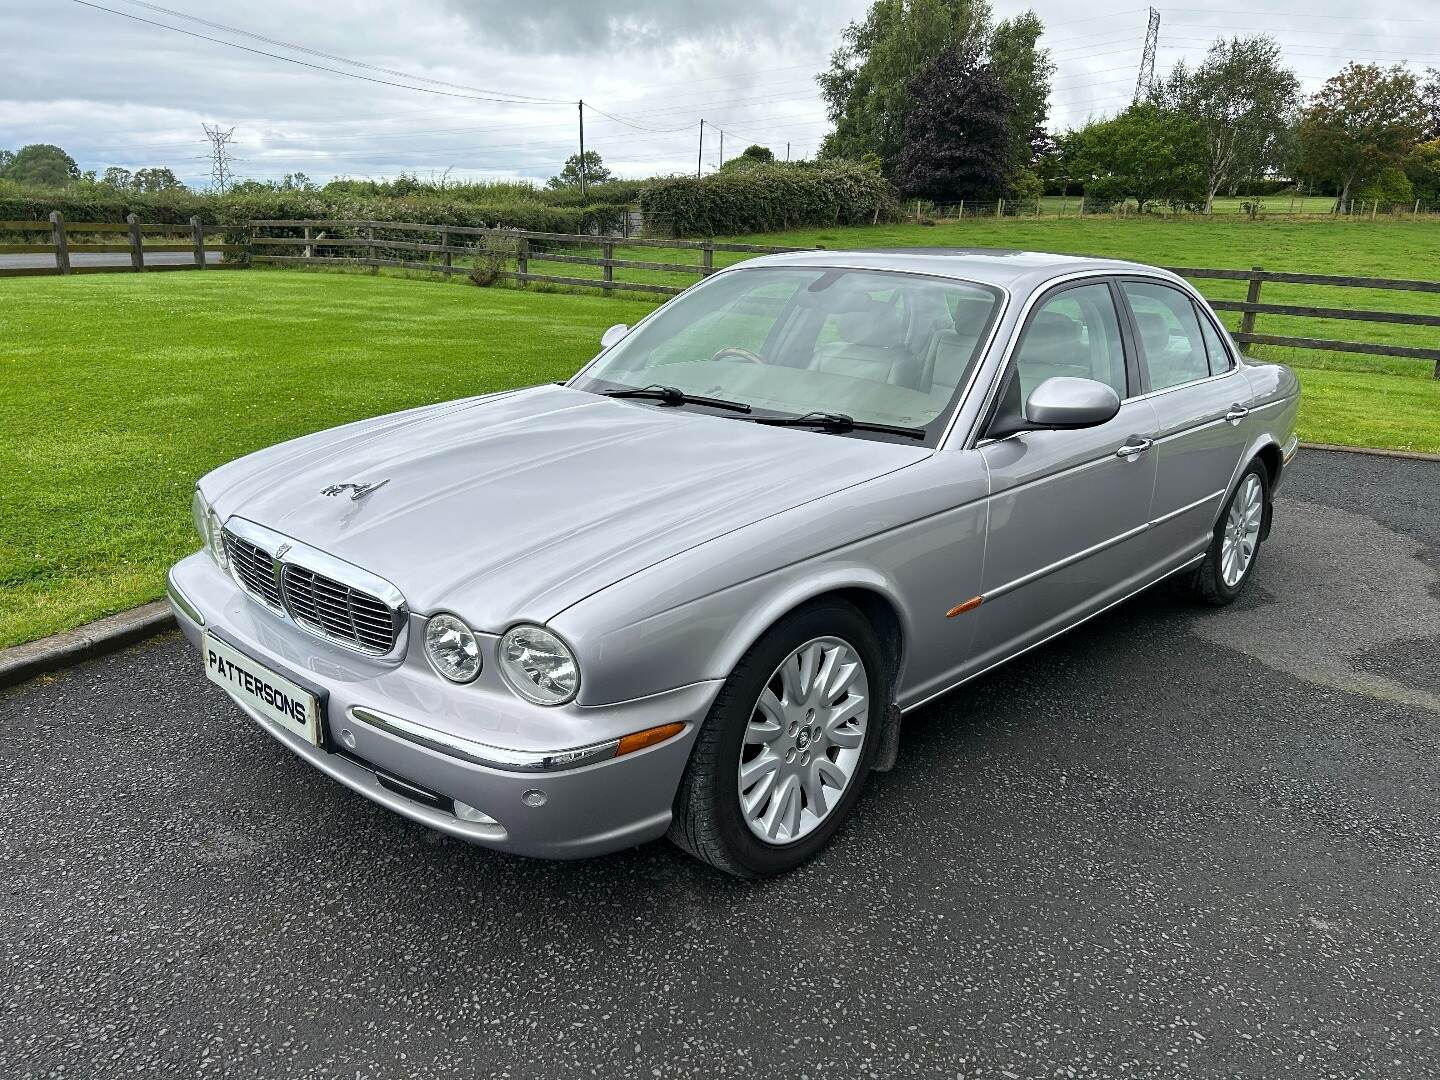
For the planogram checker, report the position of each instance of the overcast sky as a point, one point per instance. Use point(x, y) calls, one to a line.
point(115, 91)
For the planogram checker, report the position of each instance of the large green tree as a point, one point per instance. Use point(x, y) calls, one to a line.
point(1244, 99)
point(1148, 153)
point(595, 171)
point(42, 165)
point(1363, 121)
point(958, 139)
point(1026, 70)
point(866, 86)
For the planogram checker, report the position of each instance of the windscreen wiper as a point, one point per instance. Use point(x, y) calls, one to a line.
point(839, 422)
point(673, 395)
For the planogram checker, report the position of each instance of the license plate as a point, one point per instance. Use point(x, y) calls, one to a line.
point(269, 693)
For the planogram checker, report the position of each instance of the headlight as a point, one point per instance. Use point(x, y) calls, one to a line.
point(538, 665)
point(208, 526)
point(453, 649)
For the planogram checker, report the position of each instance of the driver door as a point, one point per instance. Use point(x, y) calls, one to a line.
point(1067, 508)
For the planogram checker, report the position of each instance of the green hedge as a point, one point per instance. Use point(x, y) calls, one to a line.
point(771, 198)
point(179, 207)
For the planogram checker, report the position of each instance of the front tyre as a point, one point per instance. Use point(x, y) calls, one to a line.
point(784, 753)
point(1230, 560)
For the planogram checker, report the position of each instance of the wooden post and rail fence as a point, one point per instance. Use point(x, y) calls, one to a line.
point(306, 241)
point(62, 248)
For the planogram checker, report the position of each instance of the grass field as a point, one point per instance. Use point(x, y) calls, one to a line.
point(117, 391)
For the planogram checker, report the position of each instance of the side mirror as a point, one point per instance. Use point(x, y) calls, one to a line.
point(1059, 403)
point(1064, 402)
point(613, 335)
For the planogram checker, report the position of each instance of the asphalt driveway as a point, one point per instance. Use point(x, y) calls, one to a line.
point(1177, 842)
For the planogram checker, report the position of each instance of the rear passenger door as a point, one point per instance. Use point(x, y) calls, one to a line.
point(1198, 393)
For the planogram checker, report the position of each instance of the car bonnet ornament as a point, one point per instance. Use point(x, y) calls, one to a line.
point(357, 491)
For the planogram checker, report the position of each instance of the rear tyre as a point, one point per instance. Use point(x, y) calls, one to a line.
point(785, 750)
point(1229, 562)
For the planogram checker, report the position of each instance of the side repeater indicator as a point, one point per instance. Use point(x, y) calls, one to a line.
point(968, 605)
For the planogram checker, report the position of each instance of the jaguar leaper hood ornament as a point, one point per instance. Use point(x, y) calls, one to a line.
point(357, 491)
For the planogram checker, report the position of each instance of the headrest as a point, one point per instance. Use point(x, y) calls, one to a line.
point(1154, 330)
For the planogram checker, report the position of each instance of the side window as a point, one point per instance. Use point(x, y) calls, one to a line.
point(1076, 333)
point(1170, 338)
point(1219, 355)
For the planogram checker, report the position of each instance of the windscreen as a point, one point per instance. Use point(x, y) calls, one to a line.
point(880, 347)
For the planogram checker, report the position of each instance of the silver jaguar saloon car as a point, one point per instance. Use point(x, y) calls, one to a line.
point(693, 590)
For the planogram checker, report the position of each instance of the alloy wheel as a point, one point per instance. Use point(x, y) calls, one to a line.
point(1242, 530)
point(803, 743)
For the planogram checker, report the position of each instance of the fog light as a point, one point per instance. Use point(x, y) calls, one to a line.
point(466, 812)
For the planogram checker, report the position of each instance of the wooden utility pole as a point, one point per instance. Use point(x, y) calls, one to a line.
point(700, 155)
point(787, 151)
point(722, 146)
point(583, 190)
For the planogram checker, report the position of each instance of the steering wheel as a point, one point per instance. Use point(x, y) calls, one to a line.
point(735, 351)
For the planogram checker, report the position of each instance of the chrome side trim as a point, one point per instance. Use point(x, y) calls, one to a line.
point(1069, 560)
point(1186, 508)
point(477, 753)
point(1095, 549)
point(182, 602)
point(1063, 630)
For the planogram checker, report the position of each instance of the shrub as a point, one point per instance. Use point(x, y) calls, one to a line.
point(1391, 189)
point(768, 198)
point(494, 251)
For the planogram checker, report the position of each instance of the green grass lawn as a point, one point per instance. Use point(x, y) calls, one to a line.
point(117, 391)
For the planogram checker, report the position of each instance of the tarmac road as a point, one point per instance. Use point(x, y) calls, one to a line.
point(1178, 842)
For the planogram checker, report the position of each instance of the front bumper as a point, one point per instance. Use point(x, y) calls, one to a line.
point(430, 749)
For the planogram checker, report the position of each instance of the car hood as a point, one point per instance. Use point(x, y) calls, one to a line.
point(517, 505)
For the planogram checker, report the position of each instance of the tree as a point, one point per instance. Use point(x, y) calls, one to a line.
point(1148, 153)
point(119, 178)
point(153, 181)
point(865, 86)
point(595, 172)
point(1422, 166)
point(959, 143)
point(1244, 98)
point(1025, 70)
point(1430, 101)
point(756, 152)
point(6, 158)
point(1363, 121)
point(42, 165)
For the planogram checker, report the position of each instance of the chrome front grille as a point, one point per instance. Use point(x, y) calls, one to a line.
point(337, 610)
point(319, 593)
point(255, 569)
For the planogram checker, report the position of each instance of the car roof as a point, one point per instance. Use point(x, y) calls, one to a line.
point(1014, 270)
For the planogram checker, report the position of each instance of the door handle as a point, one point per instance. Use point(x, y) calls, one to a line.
point(1237, 413)
point(1134, 447)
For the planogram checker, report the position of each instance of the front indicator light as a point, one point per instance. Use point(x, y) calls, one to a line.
point(452, 647)
point(641, 739)
point(538, 665)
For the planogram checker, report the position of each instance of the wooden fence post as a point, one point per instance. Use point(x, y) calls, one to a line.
point(446, 258)
point(707, 259)
point(62, 248)
point(137, 244)
point(370, 248)
point(523, 259)
point(607, 252)
point(197, 231)
point(309, 248)
point(999, 207)
point(1252, 296)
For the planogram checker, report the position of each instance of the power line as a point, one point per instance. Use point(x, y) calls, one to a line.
point(316, 67)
